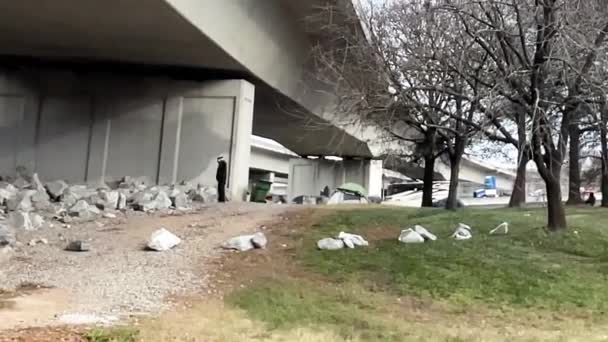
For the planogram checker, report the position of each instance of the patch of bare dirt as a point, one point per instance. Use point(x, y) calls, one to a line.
point(118, 277)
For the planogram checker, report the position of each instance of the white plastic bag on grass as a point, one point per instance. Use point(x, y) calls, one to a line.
point(352, 240)
point(501, 229)
point(425, 233)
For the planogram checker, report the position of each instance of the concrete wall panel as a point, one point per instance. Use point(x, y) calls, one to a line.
point(205, 124)
point(11, 119)
point(135, 138)
point(63, 138)
point(89, 127)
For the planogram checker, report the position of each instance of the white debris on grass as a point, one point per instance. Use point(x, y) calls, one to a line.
point(501, 229)
point(352, 240)
point(410, 236)
point(425, 233)
point(462, 232)
point(330, 244)
point(342, 240)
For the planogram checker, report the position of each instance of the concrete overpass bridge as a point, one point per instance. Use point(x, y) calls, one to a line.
point(100, 89)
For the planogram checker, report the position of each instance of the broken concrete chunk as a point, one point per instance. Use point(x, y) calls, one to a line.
point(7, 236)
point(241, 243)
point(135, 182)
point(84, 210)
point(259, 240)
point(352, 240)
point(410, 236)
point(21, 183)
point(7, 192)
point(78, 246)
point(22, 201)
point(41, 200)
point(501, 229)
point(425, 233)
point(36, 183)
point(26, 221)
point(56, 189)
point(162, 200)
point(462, 232)
point(180, 200)
point(330, 244)
point(464, 226)
point(109, 215)
point(203, 194)
point(122, 201)
point(163, 240)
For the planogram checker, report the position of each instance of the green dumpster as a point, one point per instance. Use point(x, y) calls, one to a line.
point(260, 190)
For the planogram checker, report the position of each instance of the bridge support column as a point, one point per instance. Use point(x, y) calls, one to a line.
point(309, 177)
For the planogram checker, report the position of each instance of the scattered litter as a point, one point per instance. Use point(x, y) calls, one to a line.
point(501, 229)
point(109, 215)
point(462, 232)
point(410, 236)
point(330, 244)
point(425, 233)
point(163, 240)
point(34, 242)
point(78, 246)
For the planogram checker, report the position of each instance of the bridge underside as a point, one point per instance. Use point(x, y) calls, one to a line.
point(155, 33)
point(92, 89)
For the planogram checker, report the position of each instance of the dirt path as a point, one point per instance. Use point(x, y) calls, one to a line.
point(118, 278)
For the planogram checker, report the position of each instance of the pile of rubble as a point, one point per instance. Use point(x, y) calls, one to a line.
point(28, 204)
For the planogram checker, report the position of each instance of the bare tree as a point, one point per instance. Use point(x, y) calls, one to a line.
point(542, 53)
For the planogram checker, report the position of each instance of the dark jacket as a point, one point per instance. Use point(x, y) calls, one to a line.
point(222, 169)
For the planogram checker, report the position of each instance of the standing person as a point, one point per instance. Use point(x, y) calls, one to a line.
point(220, 177)
point(591, 200)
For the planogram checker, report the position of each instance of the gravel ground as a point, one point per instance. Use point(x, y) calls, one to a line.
point(119, 277)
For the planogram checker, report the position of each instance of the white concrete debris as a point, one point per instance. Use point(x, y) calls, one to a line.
point(7, 192)
point(163, 240)
point(26, 221)
point(56, 189)
point(352, 240)
point(34, 242)
point(410, 236)
point(501, 229)
point(7, 236)
point(425, 233)
point(462, 232)
point(342, 240)
point(259, 240)
point(84, 210)
point(109, 215)
point(330, 244)
point(245, 243)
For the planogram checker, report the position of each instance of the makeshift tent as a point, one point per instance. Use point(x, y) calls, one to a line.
point(349, 193)
point(353, 188)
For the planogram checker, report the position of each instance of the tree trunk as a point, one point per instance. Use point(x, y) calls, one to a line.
point(556, 212)
point(604, 143)
point(574, 183)
point(429, 177)
point(518, 195)
point(452, 201)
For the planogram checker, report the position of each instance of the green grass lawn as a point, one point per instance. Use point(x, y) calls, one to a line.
point(528, 271)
